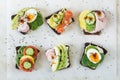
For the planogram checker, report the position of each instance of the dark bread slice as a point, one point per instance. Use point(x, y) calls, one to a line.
point(87, 33)
point(68, 59)
point(17, 48)
point(48, 17)
point(86, 44)
point(12, 17)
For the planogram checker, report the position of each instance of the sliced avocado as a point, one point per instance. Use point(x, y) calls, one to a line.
point(90, 19)
point(64, 56)
point(34, 25)
point(27, 65)
point(90, 28)
point(15, 21)
point(56, 19)
point(52, 23)
point(30, 52)
point(60, 66)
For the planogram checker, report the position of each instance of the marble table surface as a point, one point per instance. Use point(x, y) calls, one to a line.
point(3, 39)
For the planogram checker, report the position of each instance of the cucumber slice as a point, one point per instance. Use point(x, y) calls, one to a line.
point(30, 51)
point(56, 17)
point(27, 65)
point(90, 28)
point(90, 19)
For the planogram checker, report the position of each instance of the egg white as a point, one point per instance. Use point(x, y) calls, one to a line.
point(32, 12)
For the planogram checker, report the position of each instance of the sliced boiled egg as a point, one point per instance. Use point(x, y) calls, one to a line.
point(93, 55)
point(31, 15)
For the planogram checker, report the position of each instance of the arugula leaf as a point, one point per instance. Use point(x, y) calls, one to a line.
point(20, 50)
point(86, 62)
point(18, 56)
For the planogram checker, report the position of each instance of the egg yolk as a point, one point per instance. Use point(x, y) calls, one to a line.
point(30, 17)
point(94, 57)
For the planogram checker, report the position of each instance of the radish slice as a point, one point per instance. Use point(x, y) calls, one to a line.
point(50, 55)
point(23, 27)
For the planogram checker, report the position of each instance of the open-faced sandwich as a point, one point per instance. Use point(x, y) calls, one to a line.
point(93, 55)
point(59, 57)
point(92, 21)
point(26, 57)
point(60, 20)
point(27, 19)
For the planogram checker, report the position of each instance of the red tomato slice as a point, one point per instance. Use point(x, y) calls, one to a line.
point(66, 21)
point(27, 59)
point(67, 17)
point(60, 28)
point(68, 14)
point(35, 51)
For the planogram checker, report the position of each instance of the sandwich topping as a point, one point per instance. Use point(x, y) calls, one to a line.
point(58, 57)
point(92, 56)
point(25, 58)
point(59, 21)
point(27, 19)
point(92, 21)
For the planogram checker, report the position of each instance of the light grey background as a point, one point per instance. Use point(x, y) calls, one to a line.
point(3, 39)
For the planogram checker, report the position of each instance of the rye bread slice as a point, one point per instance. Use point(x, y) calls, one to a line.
point(48, 17)
point(87, 33)
point(68, 59)
point(17, 48)
point(86, 44)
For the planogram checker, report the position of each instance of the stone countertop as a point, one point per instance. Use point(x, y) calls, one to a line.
point(3, 31)
point(3, 39)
